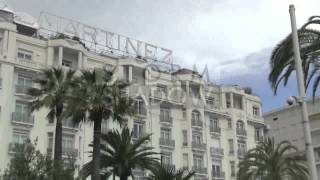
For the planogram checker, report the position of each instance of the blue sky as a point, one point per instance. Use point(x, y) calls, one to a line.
point(233, 38)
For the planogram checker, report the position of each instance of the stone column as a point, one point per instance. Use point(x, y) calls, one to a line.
point(130, 74)
point(80, 60)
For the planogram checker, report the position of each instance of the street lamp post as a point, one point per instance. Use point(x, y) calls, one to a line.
point(302, 95)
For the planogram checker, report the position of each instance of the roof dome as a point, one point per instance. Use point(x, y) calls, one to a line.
point(26, 20)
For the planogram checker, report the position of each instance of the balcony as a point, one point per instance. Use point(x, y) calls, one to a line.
point(216, 130)
point(216, 151)
point(196, 123)
point(29, 63)
point(216, 175)
point(22, 119)
point(200, 146)
point(167, 120)
point(21, 89)
point(167, 142)
point(241, 132)
point(200, 170)
point(241, 153)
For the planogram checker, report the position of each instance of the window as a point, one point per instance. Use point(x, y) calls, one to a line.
point(255, 111)
point(231, 147)
point(24, 54)
point(66, 63)
point(24, 81)
point(198, 161)
point(214, 124)
point(197, 138)
point(19, 137)
point(257, 134)
point(228, 100)
point(242, 147)
point(165, 133)
point(195, 116)
point(184, 114)
point(126, 73)
point(185, 137)
point(185, 160)
point(22, 111)
point(50, 141)
point(166, 157)
point(161, 90)
point(210, 102)
point(165, 114)
point(67, 142)
point(216, 170)
point(240, 125)
point(233, 168)
point(140, 106)
point(229, 123)
point(138, 130)
point(237, 101)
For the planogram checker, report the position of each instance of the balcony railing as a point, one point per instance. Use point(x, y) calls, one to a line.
point(198, 145)
point(165, 119)
point(218, 175)
point(241, 152)
point(258, 138)
point(241, 132)
point(200, 170)
point(70, 152)
point(215, 130)
point(13, 147)
point(21, 89)
point(217, 151)
point(196, 123)
point(166, 142)
point(23, 118)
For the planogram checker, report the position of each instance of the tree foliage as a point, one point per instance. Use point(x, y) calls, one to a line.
point(269, 161)
point(282, 59)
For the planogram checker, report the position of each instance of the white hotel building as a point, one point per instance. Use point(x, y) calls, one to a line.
point(195, 124)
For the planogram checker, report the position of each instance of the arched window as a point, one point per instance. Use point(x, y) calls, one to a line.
point(240, 125)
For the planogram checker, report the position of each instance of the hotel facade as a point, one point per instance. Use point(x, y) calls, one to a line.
point(195, 124)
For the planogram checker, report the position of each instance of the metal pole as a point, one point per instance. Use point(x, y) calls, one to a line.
point(302, 95)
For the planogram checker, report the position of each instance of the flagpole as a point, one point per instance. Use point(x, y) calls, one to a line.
point(302, 95)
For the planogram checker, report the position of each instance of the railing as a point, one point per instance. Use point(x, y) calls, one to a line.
point(198, 145)
point(196, 123)
point(241, 152)
point(200, 170)
point(218, 174)
point(13, 147)
point(258, 138)
point(22, 118)
point(69, 152)
point(21, 89)
point(166, 142)
point(165, 119)
point(241, 132)
point(215, 130)
point(217, 151)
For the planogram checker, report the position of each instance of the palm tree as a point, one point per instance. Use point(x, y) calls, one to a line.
point(99, 97)
point(52, 93)
point(282, 58)
point(122, 154)
point(273, 162)
point(166, 172)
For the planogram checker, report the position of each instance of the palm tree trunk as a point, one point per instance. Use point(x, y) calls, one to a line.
point(123, 177)
point(58, 144)
point(96, 149)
